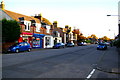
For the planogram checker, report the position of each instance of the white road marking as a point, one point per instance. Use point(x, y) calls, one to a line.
point(91, 73)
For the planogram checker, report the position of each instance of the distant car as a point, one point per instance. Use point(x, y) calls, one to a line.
point(101, 46)
point(59, 45)
point(82, 44)
point(22, 46)
point(107, 43)
point(70, 44)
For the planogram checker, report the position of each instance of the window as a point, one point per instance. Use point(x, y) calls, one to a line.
point(25, 44)
point(27, 25)
point(38, 27)
point(21, 44)
point(48, 28)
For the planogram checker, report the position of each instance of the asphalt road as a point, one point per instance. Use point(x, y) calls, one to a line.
point(71, 62)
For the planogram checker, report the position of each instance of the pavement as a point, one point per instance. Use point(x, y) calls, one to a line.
point(110, 61)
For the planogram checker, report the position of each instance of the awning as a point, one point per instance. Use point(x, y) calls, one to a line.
point(25, 33)
point(38, 35)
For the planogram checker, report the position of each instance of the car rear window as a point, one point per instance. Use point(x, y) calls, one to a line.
point(102, 44)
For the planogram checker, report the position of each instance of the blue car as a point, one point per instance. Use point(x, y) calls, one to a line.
point(23, 46)
point(70, 45)
point(59, 45)
point(101, 46)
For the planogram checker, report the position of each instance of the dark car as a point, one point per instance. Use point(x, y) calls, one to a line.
point(70, 45)
point(101, 46)
point(81, 44)
point(59, 45)
point(23, 46)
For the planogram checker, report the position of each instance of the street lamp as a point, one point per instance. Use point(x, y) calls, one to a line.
point(113, 15)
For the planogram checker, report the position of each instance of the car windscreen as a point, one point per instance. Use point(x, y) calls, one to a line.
point(58, 44)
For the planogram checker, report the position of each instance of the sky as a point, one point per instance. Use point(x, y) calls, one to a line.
point(90, 16)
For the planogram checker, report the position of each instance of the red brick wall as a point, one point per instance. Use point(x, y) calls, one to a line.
point(33, 30)
point(6, 45)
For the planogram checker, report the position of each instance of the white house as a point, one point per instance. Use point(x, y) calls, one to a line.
point(48, 41)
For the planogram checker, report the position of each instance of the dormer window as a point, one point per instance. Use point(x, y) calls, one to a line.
point(21, 19)
point(33, 22)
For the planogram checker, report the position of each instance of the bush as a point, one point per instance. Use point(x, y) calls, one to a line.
point(10, 30)
point(117, 43)
point(88, 41)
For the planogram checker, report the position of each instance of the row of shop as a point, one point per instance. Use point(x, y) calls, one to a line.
point(38, 40)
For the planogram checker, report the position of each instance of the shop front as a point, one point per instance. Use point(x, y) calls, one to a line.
point(48, 41)
point(37, 40)
point(26, 37)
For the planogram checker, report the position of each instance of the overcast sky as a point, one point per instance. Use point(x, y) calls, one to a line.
point(87, 15)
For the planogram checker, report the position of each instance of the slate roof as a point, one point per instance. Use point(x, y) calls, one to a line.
point(16, 16)
point(46, 21)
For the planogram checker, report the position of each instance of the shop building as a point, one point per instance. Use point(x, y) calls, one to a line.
point(38, 40)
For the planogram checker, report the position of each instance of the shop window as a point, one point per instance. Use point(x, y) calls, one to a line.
point(36, 42)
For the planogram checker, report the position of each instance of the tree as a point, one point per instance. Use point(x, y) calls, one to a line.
point(80, 36)
point(76, 31)
point(94, 36)
point(105, 38)
point(10, 30)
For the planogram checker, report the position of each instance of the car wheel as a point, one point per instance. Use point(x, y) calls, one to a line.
point(17, 50)
point(29, 50)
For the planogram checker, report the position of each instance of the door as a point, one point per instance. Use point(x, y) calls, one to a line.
point(21, 47)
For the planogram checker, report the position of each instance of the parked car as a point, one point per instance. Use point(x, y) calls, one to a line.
point(107, 43)
point(59, 45)
point(81, 44)
point(101, 46)
point(70, 44)
point(22, 46)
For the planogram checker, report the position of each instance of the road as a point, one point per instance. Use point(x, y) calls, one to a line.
point(71, 62)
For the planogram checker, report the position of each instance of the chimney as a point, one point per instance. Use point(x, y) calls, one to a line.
point(55, 23)
point(39, 16)
point(2, 6)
